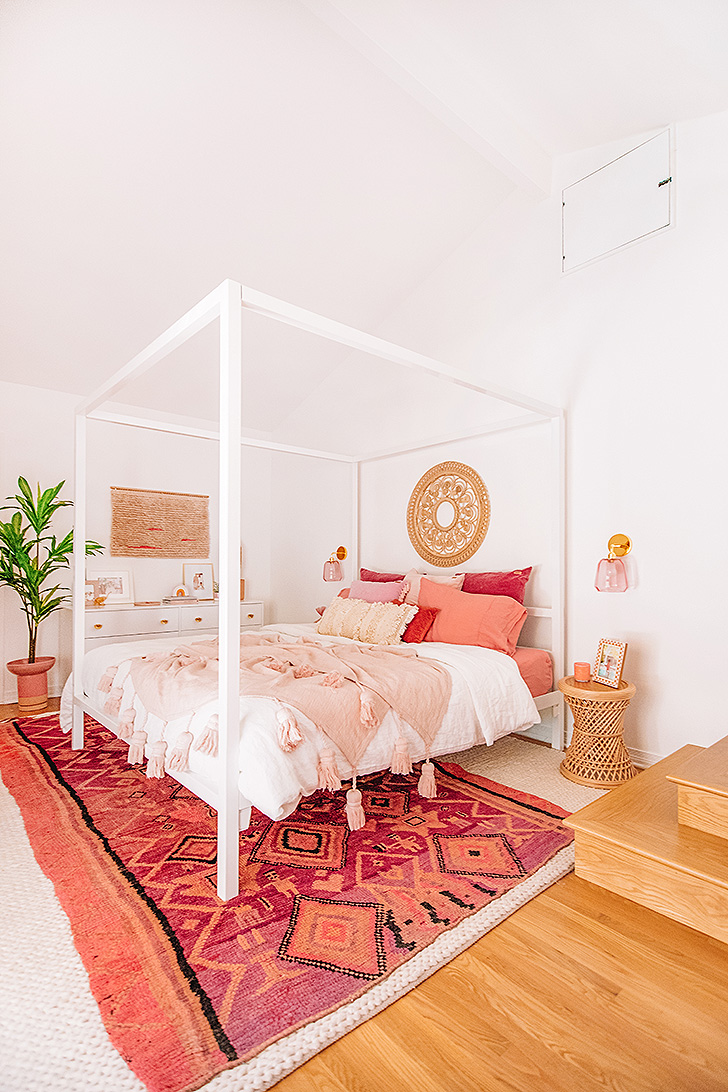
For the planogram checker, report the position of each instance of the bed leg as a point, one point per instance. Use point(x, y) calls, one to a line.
point(77, 728)
point(558, 738)
point(244, 814)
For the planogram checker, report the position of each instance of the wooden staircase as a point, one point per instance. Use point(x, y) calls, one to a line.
point(661, 839)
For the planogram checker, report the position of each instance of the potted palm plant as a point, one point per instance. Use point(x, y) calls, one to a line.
point(29, 557)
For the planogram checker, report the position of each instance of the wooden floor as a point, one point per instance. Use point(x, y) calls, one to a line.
point(577, 991)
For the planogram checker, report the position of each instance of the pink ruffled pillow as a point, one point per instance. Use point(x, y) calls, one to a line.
point(377, 591)
point(491, 621)
point(508, 583)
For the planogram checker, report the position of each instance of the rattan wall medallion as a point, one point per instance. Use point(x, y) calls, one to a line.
point(448, 514)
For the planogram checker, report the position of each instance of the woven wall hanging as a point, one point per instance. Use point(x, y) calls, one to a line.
point(147, 523)
point(448, 514)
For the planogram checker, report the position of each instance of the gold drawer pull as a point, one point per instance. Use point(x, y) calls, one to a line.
point(251, 616)
point(198, 619)
point(163, 621)
point(98, 625)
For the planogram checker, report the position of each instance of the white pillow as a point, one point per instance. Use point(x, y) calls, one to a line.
point(372, 623)
point(412, 583)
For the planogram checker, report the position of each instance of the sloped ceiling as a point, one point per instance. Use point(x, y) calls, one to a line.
point(329, 153)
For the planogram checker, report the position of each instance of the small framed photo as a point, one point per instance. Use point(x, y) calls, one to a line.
point(609, 662)
point(115, 585)
point(198, 580)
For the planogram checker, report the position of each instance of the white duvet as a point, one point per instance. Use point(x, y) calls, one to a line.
point(489, 699)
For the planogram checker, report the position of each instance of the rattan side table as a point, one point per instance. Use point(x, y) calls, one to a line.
point(597, 755)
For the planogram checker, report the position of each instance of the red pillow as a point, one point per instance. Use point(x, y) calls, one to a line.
point(513, 583)
point(420, 624)
point(491, 621)
point(369, 574)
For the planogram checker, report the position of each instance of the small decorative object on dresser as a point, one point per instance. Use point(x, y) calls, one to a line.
point(198, 579)
point(115, 585)
point(609, 662)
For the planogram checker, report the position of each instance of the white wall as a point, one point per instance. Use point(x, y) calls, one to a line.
point(634, 347)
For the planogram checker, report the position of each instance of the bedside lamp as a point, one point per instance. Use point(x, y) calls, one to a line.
point(332, 567)
point(611, 572)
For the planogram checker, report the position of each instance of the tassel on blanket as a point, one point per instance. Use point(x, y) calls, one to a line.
point(107, 679)
point(155, 765)
point(274, 664)
point(112, 704)
point(328, 774)
point(334, 678)
point(179, 758)
point(207, 743)
point(369, 716)
point(126, 724)
point(289, 734)
point(426, 785)
point(401, 761)
point(303, 671)
point(355, 816)
point(136, 748)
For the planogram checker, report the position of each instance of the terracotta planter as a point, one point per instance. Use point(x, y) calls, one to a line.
point(32, 682)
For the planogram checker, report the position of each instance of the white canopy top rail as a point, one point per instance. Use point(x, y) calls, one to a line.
point(228, 304)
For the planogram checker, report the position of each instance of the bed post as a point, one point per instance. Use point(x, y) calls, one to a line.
point(229, 577)
point(79, 575)
point(558, 617)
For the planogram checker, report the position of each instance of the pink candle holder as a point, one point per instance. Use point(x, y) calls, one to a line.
point(582, 672)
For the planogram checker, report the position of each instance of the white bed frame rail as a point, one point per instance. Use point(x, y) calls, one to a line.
point(228, 303)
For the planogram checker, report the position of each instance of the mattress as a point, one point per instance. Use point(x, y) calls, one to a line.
point(489, 699)
point(536, 669)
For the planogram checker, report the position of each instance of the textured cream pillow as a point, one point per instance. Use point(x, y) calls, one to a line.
point(413, 577)
point(372, 623)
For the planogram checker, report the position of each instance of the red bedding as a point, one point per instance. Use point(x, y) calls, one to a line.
point(536, 669)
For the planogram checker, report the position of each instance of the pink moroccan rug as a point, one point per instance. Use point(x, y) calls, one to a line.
point(329, 928)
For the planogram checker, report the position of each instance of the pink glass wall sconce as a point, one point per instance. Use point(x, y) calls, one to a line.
point(332, 567)
point(611, 572)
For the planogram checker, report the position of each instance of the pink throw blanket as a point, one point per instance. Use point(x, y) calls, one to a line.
point(346, 690)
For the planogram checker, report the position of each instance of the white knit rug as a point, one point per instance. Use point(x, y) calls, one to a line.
point(52, 1038)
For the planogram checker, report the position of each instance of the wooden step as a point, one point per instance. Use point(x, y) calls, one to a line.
point(702, 790)
point(630, 842)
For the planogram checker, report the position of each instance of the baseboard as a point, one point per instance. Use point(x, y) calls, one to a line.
point(643, 759)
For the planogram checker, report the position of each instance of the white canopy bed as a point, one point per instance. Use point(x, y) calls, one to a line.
point(218, 781)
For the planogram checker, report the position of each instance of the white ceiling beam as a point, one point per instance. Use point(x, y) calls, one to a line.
point(416, 63)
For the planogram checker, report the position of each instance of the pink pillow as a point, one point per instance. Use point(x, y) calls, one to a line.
point(413, 577)
point(420, 624)
point(512, 583)
point(491, 621)
point(369, 574)
point(377, 591)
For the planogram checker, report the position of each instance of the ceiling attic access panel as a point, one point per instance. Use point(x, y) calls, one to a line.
point(619, 204)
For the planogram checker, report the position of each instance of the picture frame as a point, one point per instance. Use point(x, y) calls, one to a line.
point(609, 662)
point(115, 584)
point(198, 579)
point(90, 592)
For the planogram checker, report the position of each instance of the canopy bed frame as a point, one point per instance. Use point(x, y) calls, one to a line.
point(229, 303)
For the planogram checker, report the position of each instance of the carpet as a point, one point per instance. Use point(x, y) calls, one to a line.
point(330, 927)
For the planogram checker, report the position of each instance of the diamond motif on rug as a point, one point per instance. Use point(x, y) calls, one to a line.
point(489, 855)
point(302, 845)
point(336, 936)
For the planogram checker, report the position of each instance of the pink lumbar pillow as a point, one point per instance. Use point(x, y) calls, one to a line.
point(412, 578)
point(506, 583)
point(491, 621)
point(371, 575)
point(377, 591)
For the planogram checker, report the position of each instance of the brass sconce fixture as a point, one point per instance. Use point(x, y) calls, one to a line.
point(611, 572)
point(332, 567)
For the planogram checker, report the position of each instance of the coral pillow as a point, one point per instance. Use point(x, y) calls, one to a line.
point(369, 574)
point(512, 583)
point(420, 624)
point(491, 621)
point(453, 580)
point(377, 591)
